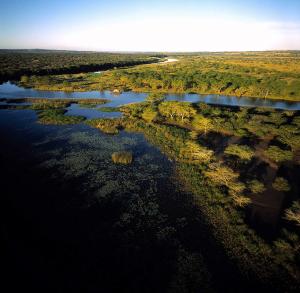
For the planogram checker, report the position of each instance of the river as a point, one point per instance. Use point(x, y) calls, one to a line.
point(9, 90)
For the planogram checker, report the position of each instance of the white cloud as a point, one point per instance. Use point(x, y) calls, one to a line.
point(178, 34)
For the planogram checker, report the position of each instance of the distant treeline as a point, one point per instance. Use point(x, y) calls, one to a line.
point(15, 63)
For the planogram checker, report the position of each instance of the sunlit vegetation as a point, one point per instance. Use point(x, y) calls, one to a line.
point(293, 213)
point(222, 185)
point(23, 63)
point(243, 152)
point(256, 186)
point(227, 157)
point(52, 111)
point(57, 117)
point(109, 126)
point(123, 157)
point(278, 155)
point(268, 75)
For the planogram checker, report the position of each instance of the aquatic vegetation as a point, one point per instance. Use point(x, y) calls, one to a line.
point(90, 103)
point(108, 109)
point(109, 126)
point(47, 105)
point(57, 117)
point(123, 157)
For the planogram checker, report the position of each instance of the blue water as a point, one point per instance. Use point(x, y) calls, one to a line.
point(9, 90)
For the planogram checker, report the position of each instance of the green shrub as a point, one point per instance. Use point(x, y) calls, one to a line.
point(155, 98)
point(278, 155)
point(256, 186)
point(149, 115)
point(293, 213)
point(202, 123)
point(281, 184)
point(244, 152)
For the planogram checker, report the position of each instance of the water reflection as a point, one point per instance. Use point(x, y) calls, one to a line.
point(9, 90)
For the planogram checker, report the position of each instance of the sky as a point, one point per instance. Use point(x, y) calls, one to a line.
point(164, 26)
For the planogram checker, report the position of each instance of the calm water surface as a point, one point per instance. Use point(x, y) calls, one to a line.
point(9, 90)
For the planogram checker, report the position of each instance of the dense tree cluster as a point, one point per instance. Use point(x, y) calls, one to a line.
point(15, 63)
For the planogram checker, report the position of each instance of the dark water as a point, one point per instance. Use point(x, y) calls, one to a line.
point(9, 90)
point(71, 220)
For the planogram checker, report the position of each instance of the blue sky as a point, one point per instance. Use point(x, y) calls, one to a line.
point(116, 25)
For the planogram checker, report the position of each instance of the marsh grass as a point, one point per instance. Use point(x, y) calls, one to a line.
point(106, 125)
point(57, 117)
point(108, 109)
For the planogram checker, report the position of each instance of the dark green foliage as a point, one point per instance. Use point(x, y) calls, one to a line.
point(108, 109)
point(278, 155)
point(256, 186)
point(109, 126)
point(281, 184)
point(243, 152)
point(22, 63)
point(57, 117)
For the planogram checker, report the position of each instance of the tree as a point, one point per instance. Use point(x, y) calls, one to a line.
point(155, 98)
point(196, 153)
point(256, 187)
point(278, 155)
point(166, 109)
point(281, 184)
point(221, 175)
point(244, 152)
point(24, 79)
point(293, 213)
point(149, 114)
point(202, 123)
point(174, 109)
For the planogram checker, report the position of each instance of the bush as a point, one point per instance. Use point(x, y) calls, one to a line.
point(281, 184)
point(122, 157)
point(293, 213)
point(155, 98)
point(244, 152)
point(149, 115)
point(278, 155)
point(256, 186)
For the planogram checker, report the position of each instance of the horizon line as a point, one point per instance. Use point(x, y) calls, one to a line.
point(138, 51)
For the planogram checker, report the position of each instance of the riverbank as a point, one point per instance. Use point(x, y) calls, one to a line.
point(263, 76)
